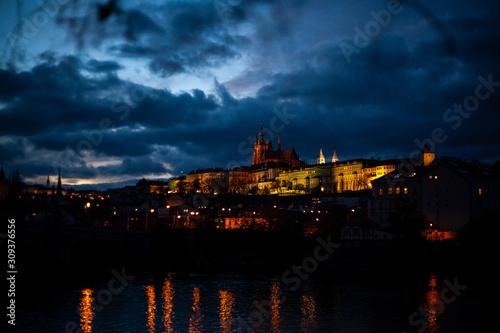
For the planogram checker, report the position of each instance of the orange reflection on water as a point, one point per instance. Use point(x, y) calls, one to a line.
point(226, 299)
point(195, 320)
point(308, 307)
point(433, 305)
point(150, 294)
point(275, 307)
point(86, 311)
point(168, 312)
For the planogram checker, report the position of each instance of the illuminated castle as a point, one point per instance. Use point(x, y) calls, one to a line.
point(263, 152)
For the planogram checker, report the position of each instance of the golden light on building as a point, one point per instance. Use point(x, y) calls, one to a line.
point(308, 308)
point(275, 307)
point(226, 300)
point(86, 309)
point(151, 312)
point(195, 325)
point(168, 311)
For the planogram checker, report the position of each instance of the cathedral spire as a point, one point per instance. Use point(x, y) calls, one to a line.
point(279, 143)
point(321, 157)
point(335, 158)
point(59, 185)
point(261, 135)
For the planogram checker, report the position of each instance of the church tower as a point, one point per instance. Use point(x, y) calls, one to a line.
point(321, 157)
point(260, 147)
point(426, 156)
point(335, 158)
point(263, 152)
point(59, 185)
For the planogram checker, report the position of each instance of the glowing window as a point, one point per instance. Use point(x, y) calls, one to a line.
point(398, 190)
point(381, 191)
point(405, 190)
point(390, 190)
point(480, 192)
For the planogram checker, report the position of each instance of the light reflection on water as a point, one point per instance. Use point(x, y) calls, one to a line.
point(168, 305)
point(432, 304)
point(183, 303)
point(86, 310)
point(275, 307)
point(308, 308)
point(150, 293)
point(195, 325)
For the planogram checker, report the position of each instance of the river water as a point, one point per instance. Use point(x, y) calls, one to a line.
point(221, 303)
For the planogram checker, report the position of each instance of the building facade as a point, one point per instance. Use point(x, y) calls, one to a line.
point(263, 152)
point(446, 193)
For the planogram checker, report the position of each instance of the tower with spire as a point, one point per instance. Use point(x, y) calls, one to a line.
point(335, 158)
point(426, 156)
point(260, 147)
point(263, 152)
point(321, 157)
point(59, 185)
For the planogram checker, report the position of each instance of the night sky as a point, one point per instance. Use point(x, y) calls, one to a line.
point(114, 91)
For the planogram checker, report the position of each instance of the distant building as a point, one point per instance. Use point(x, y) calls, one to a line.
point(210, 180)
point(152, 186)
point(47, 189)
point(263, 152)
point(239, 177)
point(255, 223)
point(447, 192)
point(338, 177)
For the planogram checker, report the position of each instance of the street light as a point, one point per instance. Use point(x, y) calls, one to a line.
point(152, 211)
point(87, 206)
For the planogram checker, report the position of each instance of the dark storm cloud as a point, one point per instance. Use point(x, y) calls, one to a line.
point(134, 166)
point(64, 120)
point(194, 38)
point(392, 94)
point(137, 23)
point(12, 149)
point(102, 66)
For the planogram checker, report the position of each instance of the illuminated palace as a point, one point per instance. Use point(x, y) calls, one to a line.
point(281, 172)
